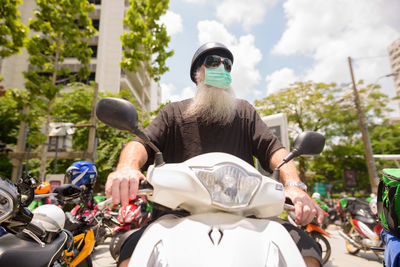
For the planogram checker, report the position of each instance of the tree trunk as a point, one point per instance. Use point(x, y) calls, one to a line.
point(45, 145)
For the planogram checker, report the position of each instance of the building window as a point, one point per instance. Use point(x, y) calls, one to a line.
point(96, 2)
point(96, 24)
point(94, 49)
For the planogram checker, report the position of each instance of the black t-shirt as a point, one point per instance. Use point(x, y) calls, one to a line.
point(180, 138)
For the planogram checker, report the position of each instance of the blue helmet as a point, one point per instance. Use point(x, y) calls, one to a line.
point(81, 173)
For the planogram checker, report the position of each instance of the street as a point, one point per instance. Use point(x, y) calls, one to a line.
point(339, 257)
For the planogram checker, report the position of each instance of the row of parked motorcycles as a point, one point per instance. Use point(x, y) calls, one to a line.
point(39, 225)
point(359, 224)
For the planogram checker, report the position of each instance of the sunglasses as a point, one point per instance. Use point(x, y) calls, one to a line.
point(214, 61)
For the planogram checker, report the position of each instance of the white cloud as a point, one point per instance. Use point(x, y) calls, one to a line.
point(173, 22)
point(170, 93)
point(196, 1)
point(245, 76)
point(329, 31)
point(280, 79)
point(248, 13)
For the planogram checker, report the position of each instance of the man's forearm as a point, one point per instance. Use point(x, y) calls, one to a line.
point(288, 172)
point(134, 156)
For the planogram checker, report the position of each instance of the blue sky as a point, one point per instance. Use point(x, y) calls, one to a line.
point(276, 42)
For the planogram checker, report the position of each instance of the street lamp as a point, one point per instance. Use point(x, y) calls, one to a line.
point(387, 75)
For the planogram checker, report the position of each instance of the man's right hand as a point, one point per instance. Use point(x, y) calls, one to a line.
point(123, 185)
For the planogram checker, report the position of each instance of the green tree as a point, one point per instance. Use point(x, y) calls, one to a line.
point(74, 106)
point(11, 106)
point(12, 31)
point(329, 109)
point(146, 41)
point(62, 28)
point(309, 107)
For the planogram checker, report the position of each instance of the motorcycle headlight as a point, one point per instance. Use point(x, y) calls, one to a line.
point(158, 256)
point(229, 185)
point(6, 205)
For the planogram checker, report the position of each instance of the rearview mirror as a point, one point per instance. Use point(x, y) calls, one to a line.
point(117, 113)
point(309, 143)
point(306, 143)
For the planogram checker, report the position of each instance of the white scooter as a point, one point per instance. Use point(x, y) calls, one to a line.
point(220, 191)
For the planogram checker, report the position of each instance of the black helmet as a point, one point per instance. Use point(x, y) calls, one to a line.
point(205, 50)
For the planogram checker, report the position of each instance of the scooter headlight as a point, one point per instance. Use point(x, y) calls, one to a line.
point(229, 185)
point(158, 256)
point(6, 205)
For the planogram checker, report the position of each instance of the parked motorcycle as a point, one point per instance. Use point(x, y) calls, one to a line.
point(220, 191)
point(360, 227)
point(41, 196)
point(32, 239)
point(88, 222)
point(131, 216)
point(317, 233)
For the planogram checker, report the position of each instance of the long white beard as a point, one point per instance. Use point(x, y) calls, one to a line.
point(212, 104)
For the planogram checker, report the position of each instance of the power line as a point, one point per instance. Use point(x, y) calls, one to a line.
point(363, 58)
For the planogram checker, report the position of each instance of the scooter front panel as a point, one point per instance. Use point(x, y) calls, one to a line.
point(217, 239)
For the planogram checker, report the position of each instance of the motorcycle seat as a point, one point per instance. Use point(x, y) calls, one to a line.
point(20, 252)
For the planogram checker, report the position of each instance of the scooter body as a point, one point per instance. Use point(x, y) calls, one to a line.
point(216, 233)
point(33, 238)
point(361, 229)
point(370, 234)
point(216, 239)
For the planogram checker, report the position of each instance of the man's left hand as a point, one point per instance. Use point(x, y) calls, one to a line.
point(305, 208)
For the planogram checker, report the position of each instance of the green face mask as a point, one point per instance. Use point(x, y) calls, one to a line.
point(218, 77)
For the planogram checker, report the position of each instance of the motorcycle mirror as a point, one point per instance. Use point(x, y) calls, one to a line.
point(117, 113)
point(121, 114)
point(306, 143)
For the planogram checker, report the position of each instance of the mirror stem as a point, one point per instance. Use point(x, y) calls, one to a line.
point(276, 174)
point(158, 158)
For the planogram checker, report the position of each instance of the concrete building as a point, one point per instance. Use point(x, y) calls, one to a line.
point(394, 55)
point(107, 53)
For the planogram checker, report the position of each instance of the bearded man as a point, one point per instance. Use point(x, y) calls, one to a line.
point(213, 121)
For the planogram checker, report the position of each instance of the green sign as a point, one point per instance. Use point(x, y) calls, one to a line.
point(320, 188)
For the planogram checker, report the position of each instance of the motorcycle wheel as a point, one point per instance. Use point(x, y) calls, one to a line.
point(114, 247)
point(353, 250)
point(324, 244)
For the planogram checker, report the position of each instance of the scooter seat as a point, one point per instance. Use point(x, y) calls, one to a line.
point(18, 252)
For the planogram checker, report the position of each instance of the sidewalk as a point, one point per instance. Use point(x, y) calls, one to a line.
point(101, 256)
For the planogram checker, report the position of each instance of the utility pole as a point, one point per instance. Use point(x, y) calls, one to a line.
point(365, 136)
point(92, 131)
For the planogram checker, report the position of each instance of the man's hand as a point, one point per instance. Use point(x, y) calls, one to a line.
point(305, 208)
point(123, 184)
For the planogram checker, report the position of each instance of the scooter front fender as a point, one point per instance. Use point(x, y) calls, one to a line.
point(315, 228)
point(216, 239)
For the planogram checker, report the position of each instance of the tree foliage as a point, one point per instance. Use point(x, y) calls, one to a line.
point(71, 105)
point(329, 109)
point(147, 40)
point(12, 31)
point(62, 28)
